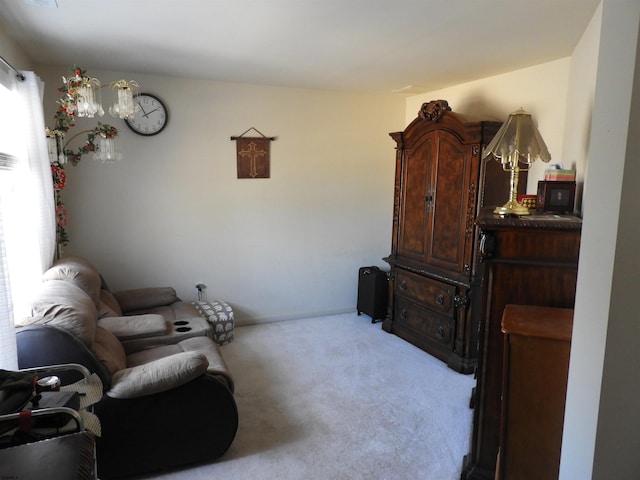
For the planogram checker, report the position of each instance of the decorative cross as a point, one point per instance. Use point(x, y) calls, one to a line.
point(253, 153)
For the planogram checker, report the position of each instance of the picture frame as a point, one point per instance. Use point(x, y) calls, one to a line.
point(556, 196)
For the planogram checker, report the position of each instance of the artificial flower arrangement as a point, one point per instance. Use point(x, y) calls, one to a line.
point(65, 119)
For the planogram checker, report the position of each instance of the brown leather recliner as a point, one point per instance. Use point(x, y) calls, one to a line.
point(168, 395)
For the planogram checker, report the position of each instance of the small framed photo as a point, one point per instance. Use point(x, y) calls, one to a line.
point(556, 196)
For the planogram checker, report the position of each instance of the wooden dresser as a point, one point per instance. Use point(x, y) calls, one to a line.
point(537, 343)
point(527, 261)
point(440, 184)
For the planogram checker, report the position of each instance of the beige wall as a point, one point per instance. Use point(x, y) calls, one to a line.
point(174, 213)
point(594, 290)
point(602, 420)
point(541, 90)
point(580, 98)
point(11, 51)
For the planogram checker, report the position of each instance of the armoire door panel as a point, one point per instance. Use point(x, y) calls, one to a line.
point(448, 240)
point(416, 189)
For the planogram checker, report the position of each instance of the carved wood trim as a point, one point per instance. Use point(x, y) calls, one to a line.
point(471, 206)
point(434, 110)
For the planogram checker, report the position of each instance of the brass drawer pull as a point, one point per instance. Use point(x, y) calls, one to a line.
point(404, 313)
point(403, 285)
point(440, 299)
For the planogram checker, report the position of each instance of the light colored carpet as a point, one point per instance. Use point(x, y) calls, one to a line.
point(338, 398)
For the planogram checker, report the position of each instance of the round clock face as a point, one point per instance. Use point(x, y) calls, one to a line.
point(151, 118)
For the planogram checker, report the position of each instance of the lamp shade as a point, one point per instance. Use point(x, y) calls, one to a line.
point(124, 105)
point(88, 99)
point(108, 150)
point(518, 140)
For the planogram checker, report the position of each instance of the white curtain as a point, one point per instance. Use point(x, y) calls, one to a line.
point(8, 355)
point(27, 211)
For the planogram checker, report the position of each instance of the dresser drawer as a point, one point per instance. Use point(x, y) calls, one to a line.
point(432, 294)
point(422, 323)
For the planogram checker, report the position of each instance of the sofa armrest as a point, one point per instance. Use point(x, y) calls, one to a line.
point(144, 298)
point(135, 326)
point(134, 440)
point(158, 376)
point(44, 345)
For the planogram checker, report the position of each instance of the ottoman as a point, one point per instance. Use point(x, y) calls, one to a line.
point(220, 315)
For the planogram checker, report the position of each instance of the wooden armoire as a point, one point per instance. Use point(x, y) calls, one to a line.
point(440, 185)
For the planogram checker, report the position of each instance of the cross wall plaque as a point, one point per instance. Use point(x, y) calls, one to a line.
point(253, 155)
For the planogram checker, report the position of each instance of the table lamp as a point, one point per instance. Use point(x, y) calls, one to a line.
point(516, 145)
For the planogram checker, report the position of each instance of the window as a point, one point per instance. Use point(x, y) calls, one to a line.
point(27, 223)
point(7, 163)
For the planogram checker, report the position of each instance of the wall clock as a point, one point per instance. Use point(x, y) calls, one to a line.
point(152, 117)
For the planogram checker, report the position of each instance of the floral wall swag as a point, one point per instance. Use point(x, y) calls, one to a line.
point(72, 94)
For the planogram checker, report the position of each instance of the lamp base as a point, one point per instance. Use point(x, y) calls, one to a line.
point(511, 208)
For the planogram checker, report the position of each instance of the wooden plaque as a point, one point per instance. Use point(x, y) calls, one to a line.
point(253, 157)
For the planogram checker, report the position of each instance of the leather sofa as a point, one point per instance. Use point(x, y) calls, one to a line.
point(168, 394)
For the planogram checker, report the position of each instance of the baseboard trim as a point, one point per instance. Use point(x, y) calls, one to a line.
point(245, 322)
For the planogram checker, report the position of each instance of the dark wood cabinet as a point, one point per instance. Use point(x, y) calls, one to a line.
point(440, 184)
point(537, 343)
point(527, 261)
point(438, 166)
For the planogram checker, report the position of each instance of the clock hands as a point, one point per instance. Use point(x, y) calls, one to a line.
point(146, 114)
point(143, 112)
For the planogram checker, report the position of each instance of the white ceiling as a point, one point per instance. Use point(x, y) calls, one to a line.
point(356, 45)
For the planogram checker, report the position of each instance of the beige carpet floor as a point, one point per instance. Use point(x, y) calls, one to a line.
point(338, 398)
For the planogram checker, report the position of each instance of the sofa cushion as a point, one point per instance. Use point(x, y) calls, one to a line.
point(78, 271)
point(64, 305)
point(144, 298)
point(109, 350)
point(157, 376)
point(203, 345)
point(173, 312)
point(135, 326)
point(108, 305)
point(166, 311)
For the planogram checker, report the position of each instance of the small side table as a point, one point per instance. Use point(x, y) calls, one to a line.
point(220, 315)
